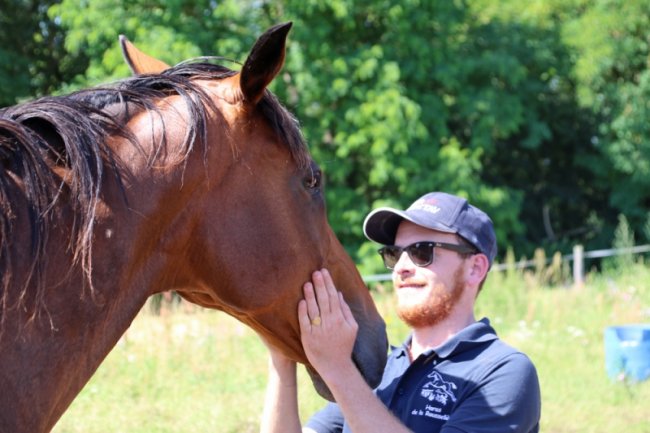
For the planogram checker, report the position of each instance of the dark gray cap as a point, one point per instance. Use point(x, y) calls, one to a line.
point(436, 211)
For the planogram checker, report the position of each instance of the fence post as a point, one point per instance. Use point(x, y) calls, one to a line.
point(578, 265)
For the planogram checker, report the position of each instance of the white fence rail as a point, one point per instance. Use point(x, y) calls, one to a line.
point(577, 258)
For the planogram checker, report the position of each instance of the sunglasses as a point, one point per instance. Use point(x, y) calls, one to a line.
point(420, 253)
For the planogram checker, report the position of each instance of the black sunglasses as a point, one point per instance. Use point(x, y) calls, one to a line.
point(421, 253)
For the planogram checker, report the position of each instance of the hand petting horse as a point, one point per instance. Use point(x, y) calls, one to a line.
point(191, 178)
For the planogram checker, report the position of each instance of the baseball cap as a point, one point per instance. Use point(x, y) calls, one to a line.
point(436, 211)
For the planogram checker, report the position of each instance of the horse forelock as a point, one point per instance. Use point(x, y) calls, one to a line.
point(285, 125)
point(69, 131)
point(182, 80)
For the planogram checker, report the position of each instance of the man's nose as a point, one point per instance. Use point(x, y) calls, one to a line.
point(404, 264)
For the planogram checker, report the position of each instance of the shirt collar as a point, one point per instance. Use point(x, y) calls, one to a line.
point(477, 333)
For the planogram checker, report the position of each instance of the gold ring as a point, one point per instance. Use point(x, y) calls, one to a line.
point(316, 321)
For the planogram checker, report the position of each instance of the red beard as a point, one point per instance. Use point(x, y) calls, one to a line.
point(437, 307)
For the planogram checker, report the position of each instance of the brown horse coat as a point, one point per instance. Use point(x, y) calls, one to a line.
point(191, 178)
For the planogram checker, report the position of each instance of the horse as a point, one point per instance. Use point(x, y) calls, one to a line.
point(192, 178)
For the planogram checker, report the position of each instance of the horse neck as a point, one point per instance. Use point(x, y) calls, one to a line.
point(47, 359)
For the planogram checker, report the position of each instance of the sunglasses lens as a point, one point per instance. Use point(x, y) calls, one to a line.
point(391, 255)
point(421, 253)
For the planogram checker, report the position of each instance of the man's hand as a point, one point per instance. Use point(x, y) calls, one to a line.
point(327, 328)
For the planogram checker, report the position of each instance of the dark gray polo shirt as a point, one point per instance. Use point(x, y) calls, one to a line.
point(473, 383)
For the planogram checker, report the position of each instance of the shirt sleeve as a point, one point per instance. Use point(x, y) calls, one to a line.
point(327, 420)
point(507, 399)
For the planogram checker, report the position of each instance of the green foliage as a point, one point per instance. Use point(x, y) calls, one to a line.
point(170, 30)
point(611, 47)
point(33, 60)
point(623, 238)
point(536, 111)
point(419, 98)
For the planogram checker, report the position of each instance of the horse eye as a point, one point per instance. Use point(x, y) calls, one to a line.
point(313, 181)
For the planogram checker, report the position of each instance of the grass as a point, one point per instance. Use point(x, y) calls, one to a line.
point(201, 371)
point(562, 330)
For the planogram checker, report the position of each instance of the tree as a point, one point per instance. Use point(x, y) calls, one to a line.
point(611, 39)
point(404, 97)
point(170, 30)
point(534, 111)
point(33, 61)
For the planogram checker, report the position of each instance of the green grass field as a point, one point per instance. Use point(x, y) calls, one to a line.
point(201, 371)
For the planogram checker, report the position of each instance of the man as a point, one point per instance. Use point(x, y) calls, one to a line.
point(453, 374)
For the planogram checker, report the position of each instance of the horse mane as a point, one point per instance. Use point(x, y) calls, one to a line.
point(70, 131)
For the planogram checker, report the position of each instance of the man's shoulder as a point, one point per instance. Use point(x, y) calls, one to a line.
point(505, 370)
point(500, 349)
point(489, 360)
point(493, 348)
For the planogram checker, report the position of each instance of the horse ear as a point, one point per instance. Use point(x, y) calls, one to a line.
point(264, 62)
point(139, 62)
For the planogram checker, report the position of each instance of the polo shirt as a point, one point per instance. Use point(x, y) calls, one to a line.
point(473, 383)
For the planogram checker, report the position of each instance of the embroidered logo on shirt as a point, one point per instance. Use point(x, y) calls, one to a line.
point(438, 392)
point(438, 389)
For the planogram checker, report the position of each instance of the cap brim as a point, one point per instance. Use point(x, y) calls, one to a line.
point(381, 224)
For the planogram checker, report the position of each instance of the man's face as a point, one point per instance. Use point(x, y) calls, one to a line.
point(427, 295)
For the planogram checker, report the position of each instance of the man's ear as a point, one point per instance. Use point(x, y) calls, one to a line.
point(479, 267)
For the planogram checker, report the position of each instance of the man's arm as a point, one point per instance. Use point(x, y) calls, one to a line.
point(280, 413)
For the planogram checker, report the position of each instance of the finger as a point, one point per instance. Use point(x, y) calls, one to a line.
point(332, 293)
point(329, 283)
point(347, 312)
point(303, 317)
point(321, 292)
point(311, 304)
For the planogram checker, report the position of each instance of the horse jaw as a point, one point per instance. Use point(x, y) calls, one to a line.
point(319, 385)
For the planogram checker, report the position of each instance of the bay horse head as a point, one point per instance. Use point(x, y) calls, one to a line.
point(191, 178)
point(263, 227)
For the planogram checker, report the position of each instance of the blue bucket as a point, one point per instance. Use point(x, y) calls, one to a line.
point(627, 352)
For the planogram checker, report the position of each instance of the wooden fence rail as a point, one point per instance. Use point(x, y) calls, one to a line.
point(577, 258)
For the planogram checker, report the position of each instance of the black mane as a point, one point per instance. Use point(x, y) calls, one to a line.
point(69, 131)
